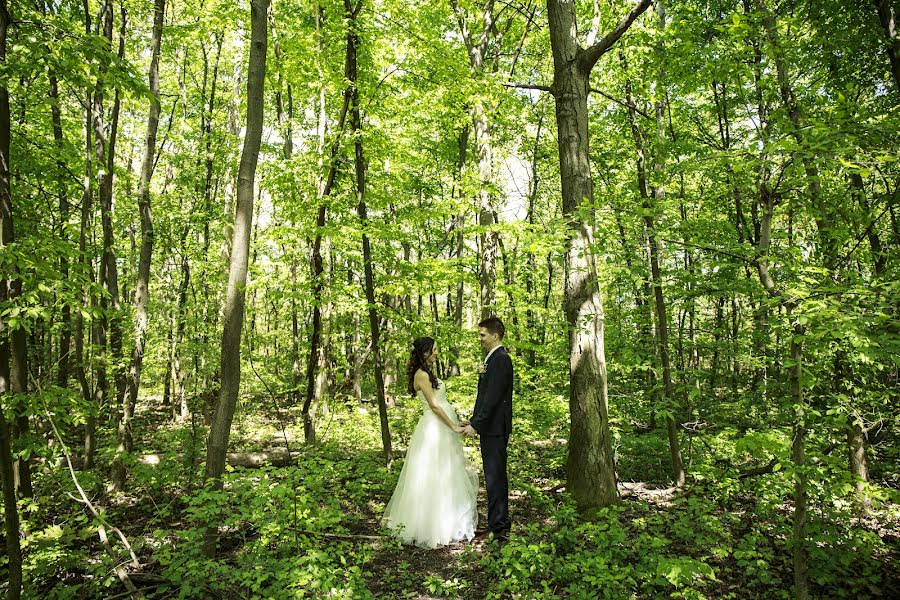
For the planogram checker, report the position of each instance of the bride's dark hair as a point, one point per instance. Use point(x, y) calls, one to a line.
point(420, 350)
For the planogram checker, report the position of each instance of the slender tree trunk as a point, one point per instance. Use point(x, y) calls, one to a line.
point(356, 123)
point(8, 362)
point(115, 297)
point(650, 206)
point(315, 377)
point(99, 327)
point(87, 201)
point(142, 284)
point(477, 43)
point(179, 406)
point(531, 267)
point(800, 554)
point(591, 462)
point(463, 145)
point(240, 252)
point(65, 335)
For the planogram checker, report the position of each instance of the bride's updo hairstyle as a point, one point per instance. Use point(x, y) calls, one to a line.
point(421, 348)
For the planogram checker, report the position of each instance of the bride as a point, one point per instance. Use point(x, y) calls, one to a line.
point(434, 501)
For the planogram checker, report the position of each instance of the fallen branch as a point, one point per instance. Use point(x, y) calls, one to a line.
point(340, 536)
point(769, 468)
point(276, 458)
point(101, 529)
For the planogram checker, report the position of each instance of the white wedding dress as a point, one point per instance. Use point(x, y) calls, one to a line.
point(434, 501)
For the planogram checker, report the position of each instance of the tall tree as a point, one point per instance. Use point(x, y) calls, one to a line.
point(142, 283)
point(240, 254)
point(351, 13)
point(9, 362)
point(477, 43)
point(591, 463)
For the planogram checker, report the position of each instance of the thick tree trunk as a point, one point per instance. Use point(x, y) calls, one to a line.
point(11, 510)
point(142, 283)
point(230, 368)
point(591, 461)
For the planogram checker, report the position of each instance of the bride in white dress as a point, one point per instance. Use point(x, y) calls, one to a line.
point(434, 501)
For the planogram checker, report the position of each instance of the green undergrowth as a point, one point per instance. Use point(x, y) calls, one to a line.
point(311, 530)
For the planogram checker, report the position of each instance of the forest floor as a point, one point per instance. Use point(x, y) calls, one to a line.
point(312, 529)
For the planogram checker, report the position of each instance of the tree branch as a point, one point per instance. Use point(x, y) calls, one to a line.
point(529, 86)
point(623, 103)
point(589, 57)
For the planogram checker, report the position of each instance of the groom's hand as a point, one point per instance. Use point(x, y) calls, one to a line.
point(469, 430)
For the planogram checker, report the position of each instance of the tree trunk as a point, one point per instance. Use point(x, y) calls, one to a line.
point(360, 162)
point(11, 510)
point(531, 267)
point(318, 346)
point(230, 369)
point(99, 327)
point(886, 16)
point(591, 462)
point(463, 145)
point(285, 115)
point(650, 205)
point(800, 554)
point(65, 334)
point(477, 43)
point(142, 283)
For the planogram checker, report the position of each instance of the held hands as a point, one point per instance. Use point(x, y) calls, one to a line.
point(466, 429)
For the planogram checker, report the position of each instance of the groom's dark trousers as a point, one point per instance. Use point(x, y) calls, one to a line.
point(493, 455)
point(492, 419)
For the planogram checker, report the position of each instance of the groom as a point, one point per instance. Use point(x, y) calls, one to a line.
point(492, 422)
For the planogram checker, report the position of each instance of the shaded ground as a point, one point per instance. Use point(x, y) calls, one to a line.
point(285, 528)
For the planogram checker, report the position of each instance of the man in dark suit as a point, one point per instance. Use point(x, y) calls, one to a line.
point(492, 423)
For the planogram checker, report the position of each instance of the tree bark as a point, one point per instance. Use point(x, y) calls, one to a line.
point(8, 362)
point(356, 123)
point(318, 336)
point(650, 204)
point(65, 335)
point(463, 145)
point(476, 45)
point(591, 462)
point(230, 368)
point(142, 283)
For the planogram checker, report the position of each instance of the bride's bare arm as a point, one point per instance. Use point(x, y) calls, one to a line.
point(423, 383)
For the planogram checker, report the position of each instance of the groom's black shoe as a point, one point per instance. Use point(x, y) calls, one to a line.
point(481, 534)
point(501, 537)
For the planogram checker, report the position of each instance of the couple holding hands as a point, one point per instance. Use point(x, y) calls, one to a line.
point(434, 503)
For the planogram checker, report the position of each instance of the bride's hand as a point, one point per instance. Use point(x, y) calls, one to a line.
point(458, 429)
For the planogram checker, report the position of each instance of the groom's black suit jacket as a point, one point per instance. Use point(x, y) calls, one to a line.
point(493, 405)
